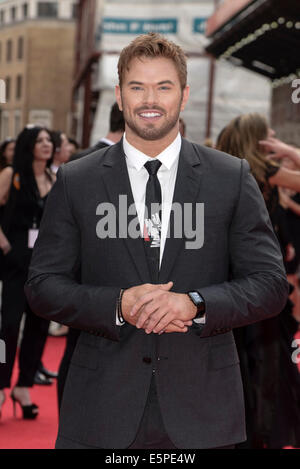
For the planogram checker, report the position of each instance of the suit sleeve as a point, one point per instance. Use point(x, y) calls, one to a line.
point(258, 288)
point(52, 289)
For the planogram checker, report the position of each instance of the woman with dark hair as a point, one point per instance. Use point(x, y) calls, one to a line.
point(25, 187)
point(7, 149)
point(62, 150)
point(271, 379)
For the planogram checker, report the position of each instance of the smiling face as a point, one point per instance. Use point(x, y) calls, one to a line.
point(43, 146)
point(151, 99)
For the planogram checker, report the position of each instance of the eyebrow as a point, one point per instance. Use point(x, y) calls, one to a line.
point(164, 82)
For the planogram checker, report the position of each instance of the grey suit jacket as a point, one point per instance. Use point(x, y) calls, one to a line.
point(75, 278)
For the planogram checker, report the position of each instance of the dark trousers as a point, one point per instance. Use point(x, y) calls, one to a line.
point(72, 338)
point(34, 334)
point(152, 433)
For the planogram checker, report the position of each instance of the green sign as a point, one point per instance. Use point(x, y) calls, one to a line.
point(139, 26)
point(199, 25)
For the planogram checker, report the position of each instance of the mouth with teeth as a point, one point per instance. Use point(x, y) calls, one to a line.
point(150, 116)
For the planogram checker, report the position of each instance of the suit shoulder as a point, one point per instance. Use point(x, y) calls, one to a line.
point(218, 160)
point(86, 164)
point(88, 151)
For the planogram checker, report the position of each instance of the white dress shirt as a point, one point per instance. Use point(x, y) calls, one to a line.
point(107, 140)
point(138, 175)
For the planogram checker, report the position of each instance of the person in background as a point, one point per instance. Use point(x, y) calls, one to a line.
point(182, 127)
point(115, 133)
point(290, 200)
point(74, 146)
point(262, 154)
point(271, 379)
point(7, 149)
point(25, 186)
point(62, 150)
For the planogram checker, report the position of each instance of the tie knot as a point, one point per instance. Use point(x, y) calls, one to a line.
point(152, 167)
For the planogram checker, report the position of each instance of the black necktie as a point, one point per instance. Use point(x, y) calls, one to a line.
point(152, 219)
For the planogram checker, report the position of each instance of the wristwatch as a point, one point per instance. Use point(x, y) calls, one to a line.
point(198, 301)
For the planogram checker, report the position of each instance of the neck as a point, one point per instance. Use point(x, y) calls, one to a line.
point(114, 136)
point(151, 147)
point(39, 167)
point(56, 161)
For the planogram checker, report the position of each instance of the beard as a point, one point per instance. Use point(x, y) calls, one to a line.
point(150, 131)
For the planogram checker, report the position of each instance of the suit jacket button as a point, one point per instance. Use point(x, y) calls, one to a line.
point(147, 360)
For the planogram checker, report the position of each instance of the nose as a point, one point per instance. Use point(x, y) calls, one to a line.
point(47, 144)
point(150, 96)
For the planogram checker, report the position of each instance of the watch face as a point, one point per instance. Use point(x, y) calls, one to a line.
point(196, 298)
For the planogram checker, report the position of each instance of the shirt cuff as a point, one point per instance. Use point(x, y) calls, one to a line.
point(200, 320)
point(118, 323)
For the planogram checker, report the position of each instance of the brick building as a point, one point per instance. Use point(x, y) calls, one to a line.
point(37, 63)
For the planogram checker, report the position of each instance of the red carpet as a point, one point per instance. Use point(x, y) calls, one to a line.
point(16, 433)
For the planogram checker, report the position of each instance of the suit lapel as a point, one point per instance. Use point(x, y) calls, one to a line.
point(117, 183)
point(189, 174)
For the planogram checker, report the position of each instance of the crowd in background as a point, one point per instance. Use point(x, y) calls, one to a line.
point(27, 173)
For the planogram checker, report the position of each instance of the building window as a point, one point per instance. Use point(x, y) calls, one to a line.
point(17, 123)
point(25, 10)
point(13, 13)
point(19, 87)
point(8, 88)
point(9, 50)
point(75, 10)
point(2, 16)
point(0, 51)
point(20, 52)
point(4, 126)
point(47, 9)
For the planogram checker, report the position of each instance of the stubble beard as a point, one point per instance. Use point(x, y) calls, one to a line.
point(151, 132)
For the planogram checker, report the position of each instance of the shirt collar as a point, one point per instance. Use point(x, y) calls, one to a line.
point(167, 157)
point(106, 140)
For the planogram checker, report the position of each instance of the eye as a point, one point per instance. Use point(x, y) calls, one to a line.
point(136, 88)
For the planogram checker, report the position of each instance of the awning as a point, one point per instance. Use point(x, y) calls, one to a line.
point(261, 35)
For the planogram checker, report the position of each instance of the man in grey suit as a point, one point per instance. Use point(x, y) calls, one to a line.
point(155, 294)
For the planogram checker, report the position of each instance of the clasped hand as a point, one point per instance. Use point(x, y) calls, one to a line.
point(155, 308)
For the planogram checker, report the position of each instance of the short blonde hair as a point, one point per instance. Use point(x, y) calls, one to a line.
point(153, 45)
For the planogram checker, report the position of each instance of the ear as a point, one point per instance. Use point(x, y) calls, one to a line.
point(119, 97)
point(185, 97)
